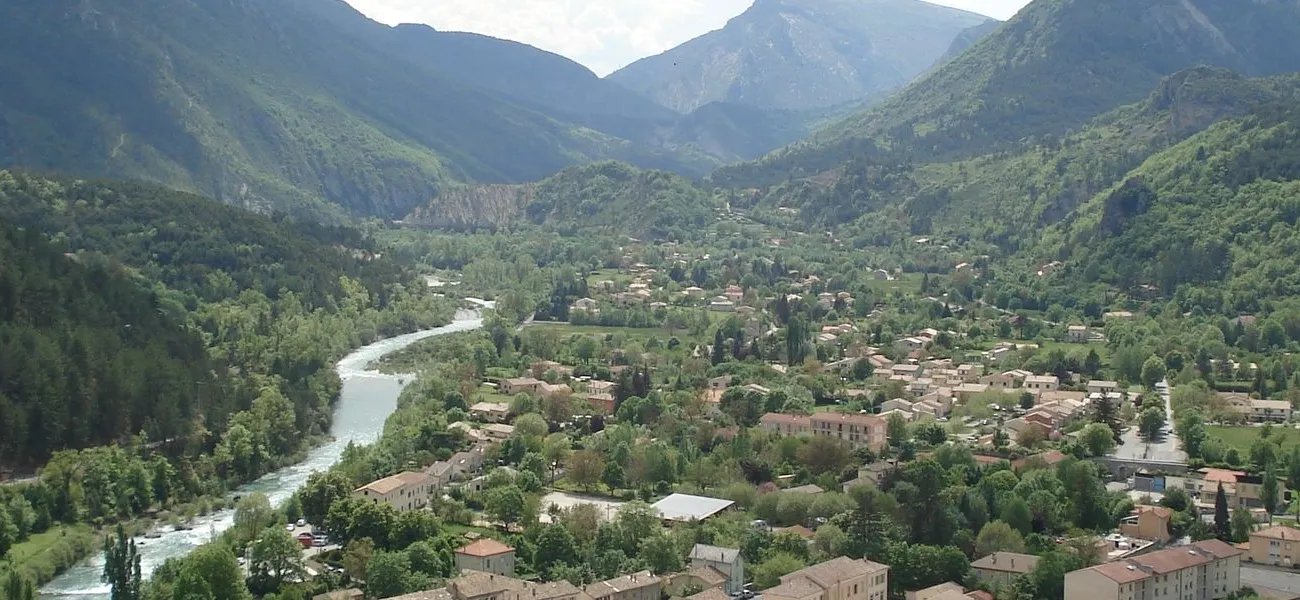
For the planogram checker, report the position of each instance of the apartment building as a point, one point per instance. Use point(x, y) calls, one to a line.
point(403, 491)
point(840, 578)
point(1278, 546)
point(1002, 568)
point(633, 586)
point(726, 561)
point(858, 430)
point(1205, 570)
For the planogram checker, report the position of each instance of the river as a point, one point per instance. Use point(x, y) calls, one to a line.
point(366, 401)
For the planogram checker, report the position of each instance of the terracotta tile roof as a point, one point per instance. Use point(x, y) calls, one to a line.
point(784, 419)
point(473, 584)
point(798, 530)
point(794, 587)
point(1160, 511)
point(393, 482)
point(1221, 475)
point(709, 575)
point(710, 594)
point(833, 571)
point(1287, 534)
point(1165, 561)
point(631, 581)
point(856, 419)
point(485, 547)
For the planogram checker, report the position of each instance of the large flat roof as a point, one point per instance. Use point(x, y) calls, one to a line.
point(685, 507)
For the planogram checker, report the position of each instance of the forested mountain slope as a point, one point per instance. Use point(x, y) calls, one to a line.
point(1053, 67)
point(263, 304)
point(1218, 214)
point(607, 197)
point(87, 357)
point(801, 54)
point(303, 106)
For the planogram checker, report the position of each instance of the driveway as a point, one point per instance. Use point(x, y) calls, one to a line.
point(1164, 448)
point(564, 500)
point(1273, 579)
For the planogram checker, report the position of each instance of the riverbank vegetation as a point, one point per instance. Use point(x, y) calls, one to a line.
point(221, 328)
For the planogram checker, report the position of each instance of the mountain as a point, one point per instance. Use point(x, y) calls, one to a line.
point(967, 38)
point(1217, 213)
point(801, 54)
point(302, 106)
point(606, 197)
point(1053, 67)
point(129, 295)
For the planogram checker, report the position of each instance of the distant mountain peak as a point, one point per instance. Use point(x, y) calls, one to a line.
point(801, 54)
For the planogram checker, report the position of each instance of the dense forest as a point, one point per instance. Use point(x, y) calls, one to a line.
point(88, 357)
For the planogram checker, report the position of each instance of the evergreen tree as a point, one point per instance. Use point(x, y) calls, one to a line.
point(1268, 492)
point(795, 341)
point(719, 348)
point(18, 587)
point(122, 566)
point(1222, 521)
point(1106, 413)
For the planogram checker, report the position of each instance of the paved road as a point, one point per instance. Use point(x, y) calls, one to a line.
point(1286, 581)
point(1133, 447)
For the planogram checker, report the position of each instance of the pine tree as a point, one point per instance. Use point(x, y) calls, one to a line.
point(1268, 492)
point(1222, 521)
point(1107, 414)
point(122, 567)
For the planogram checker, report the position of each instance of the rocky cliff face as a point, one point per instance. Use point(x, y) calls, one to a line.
point(801, 54)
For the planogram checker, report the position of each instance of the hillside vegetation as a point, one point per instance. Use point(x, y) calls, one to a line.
point(1052, 68)
point(607, 197)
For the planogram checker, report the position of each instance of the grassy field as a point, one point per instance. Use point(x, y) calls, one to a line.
point(907, 283)
point(1242, 437)
point(43, 554)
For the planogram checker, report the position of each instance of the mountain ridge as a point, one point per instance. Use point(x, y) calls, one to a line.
point(800, 54)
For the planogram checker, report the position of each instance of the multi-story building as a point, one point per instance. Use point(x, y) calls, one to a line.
point(1278, 546)
point(1002, 568)
point(840, 578)
point(1205, 570)
point(403, 491)
point(727, 561)
point(487, 556)
point(633, 586)
point(859, 430)
point(783, 424)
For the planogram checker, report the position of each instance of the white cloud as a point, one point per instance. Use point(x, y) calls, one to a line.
point(601, 34)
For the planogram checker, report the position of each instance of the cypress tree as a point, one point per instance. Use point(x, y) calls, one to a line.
point(1222, 521)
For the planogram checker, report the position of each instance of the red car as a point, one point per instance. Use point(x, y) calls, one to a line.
point(305, 539)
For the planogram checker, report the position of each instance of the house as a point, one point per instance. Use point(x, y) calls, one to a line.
point(726, 561)
point(1202, 571)
point(1148, 523)
point(943, 591)
point(1077, 334)
point(600, 403)
point(1242, 489)
point(488, 556)
point(910, 343)
point(1048, 459)
point(881, 275)
point(1270, 410)
point(403, 491)
point(895, 404)
point(641, 585)
point(685, 507)
point(554, 390)
point(970, 373)
point(720, 383)
point(586, 305)
point(694, 292)
point(1098, 386)
point(490, 412)
point(1042, 383)
point(734, 293)
point(859, 430)
point(710, 594)
point(909, 371)
point(703, 577)
point(1002, 568)
point(787, 425)
point(873, 474)
point(1120, 315)
point(519, 385)
point(601, 387)
point(798, 530)
point(440, 474)
point(966, 391)
point(809, 489)
point(998, 381)
point(840, 578)
point(499, 431)
point(1277, 546)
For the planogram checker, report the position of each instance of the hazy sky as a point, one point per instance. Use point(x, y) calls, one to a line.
point(601, 34)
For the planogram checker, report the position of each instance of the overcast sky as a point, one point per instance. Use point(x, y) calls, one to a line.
point(601, 34)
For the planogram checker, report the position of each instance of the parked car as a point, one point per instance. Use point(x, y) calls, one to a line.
point(302, 522)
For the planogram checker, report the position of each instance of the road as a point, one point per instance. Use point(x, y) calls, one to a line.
point(1133, 447)
point(1274, 579)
